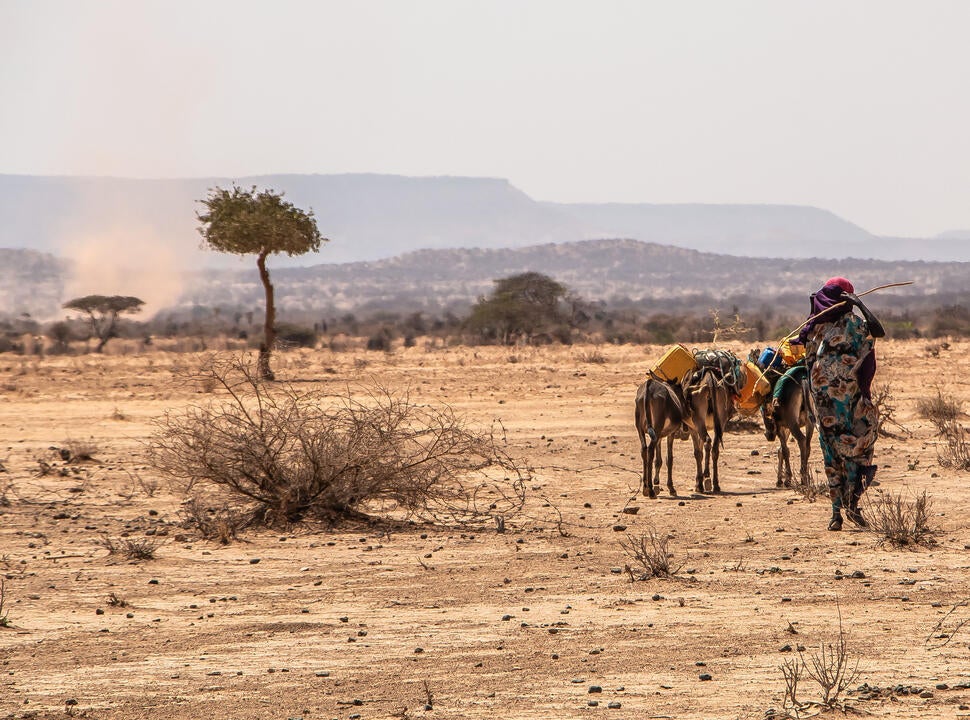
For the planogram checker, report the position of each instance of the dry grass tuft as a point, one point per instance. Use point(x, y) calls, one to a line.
point(816, 487)
point(898, 521)
point(942, 410)
point(131, 548)
point(652, 552)
point(74, 450)
point(955, 450)
point(594, 356)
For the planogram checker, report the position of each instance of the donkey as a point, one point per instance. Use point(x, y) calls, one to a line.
point(662, 413)
point(791, 416)
point(711, 397)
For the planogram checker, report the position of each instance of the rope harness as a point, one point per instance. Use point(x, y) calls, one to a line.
point(723, 365)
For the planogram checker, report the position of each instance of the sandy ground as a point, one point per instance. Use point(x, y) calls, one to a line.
point(375, 622)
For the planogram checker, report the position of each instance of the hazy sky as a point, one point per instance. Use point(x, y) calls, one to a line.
point(862, 108)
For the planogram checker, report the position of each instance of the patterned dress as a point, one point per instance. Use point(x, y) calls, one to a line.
point(847, 419)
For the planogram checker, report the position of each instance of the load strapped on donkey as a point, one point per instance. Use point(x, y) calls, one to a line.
point(682, 367)
point(768, 372)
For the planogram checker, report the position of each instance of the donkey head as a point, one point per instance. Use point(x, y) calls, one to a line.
point(771, 424)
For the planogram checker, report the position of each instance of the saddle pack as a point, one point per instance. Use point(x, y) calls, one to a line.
point(726, 367)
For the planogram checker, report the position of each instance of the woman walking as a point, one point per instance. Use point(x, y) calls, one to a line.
point(841, 358)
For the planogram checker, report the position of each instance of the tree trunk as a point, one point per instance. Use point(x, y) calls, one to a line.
point(104, 332)
point(269, 326)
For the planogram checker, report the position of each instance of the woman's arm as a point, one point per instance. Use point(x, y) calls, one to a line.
point(875, 327)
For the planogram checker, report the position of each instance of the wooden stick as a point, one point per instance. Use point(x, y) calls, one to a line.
point(883, 287)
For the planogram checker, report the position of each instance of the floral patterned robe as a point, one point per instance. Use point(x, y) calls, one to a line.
point(847, 420)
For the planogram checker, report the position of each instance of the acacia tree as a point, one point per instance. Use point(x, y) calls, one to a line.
point(247, 222)
point(103, 312)
point(522, 304)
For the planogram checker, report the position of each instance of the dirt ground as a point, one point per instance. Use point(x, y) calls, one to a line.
point(538, 622)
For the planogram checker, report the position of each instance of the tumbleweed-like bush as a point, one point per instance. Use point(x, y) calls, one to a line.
point(291, 455)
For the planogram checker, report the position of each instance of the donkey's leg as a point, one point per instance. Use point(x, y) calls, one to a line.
point(707, 455)
point(670, 465)
point(802, 441)
point(779, 480)
point(784, 454)
point(809, 429)
point(715, 452)
point(657, 464)
point(647, 450)
point(700, 446)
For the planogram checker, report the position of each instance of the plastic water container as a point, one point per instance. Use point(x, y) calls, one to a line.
point(791, 353)
point(675, 365)
point(755, 390)
point(771, 357)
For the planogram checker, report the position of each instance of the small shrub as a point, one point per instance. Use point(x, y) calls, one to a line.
point(4, 619)
point(219, 524)
point(131, 548)
point(290, 335)
point(379, 341)
point(955, 450)
point(78, 450)
point(149, 486)
point(652, 553)
point(816, 487)
point(593, 356)
point(899, 521)
point(941, 409)
point(885, 401)
point(832, 668)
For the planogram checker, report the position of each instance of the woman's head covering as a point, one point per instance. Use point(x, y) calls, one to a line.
point(824, 304)
point(841, 282)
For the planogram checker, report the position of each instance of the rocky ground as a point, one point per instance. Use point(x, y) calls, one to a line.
point(541, 621)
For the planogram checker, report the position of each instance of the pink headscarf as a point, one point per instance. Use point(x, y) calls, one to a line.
point(842, 283)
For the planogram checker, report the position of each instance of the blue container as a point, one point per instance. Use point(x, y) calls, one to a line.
point(772, 356)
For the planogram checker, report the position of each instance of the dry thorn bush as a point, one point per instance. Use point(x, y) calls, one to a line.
point(131, 548)
point(898, 521)
point(832, 668)
point(291, 455)
point(884, 399)
point(652, 552)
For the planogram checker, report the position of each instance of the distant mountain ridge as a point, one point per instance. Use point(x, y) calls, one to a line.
point(619, 272)
point(371, 217)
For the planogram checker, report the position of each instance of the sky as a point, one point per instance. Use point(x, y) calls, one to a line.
point(860, 107)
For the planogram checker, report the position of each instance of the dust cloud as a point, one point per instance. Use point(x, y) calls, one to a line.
point(129, 260)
